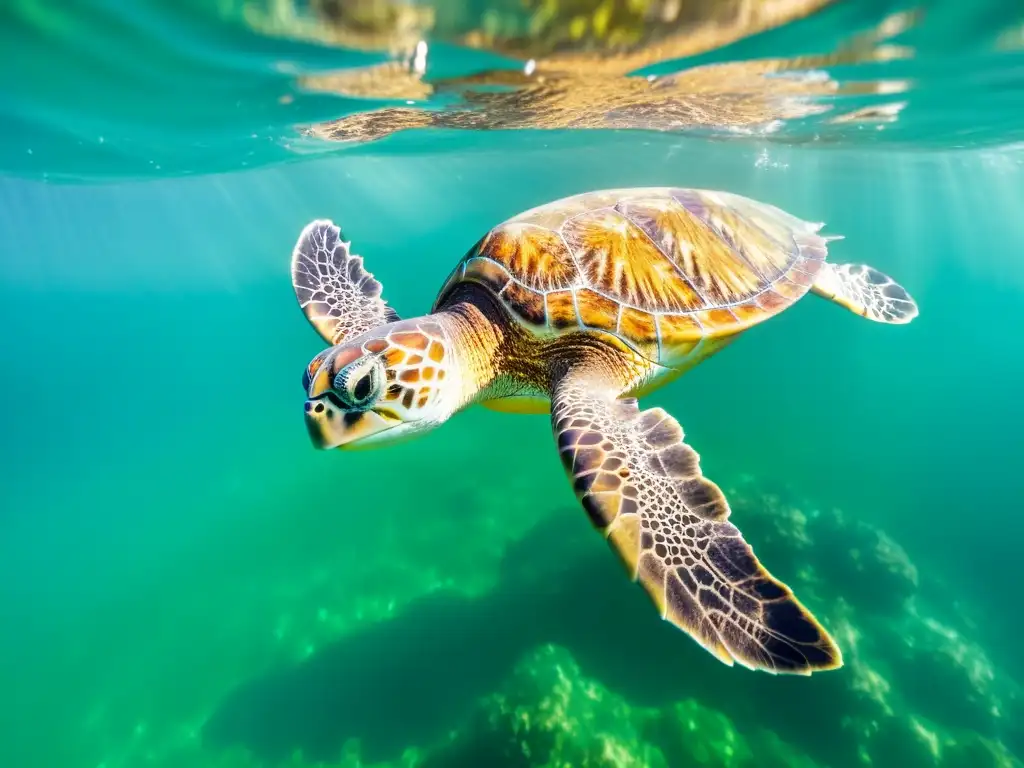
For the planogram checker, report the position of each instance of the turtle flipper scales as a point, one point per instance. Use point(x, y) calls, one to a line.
point(336, 293)
point(643, 488)
point(865, 291)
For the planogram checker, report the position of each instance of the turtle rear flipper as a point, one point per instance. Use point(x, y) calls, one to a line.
point(866, 292)
point(643, 488)
point(336, 293)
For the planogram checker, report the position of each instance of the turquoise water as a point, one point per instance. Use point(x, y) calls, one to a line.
point(184, 581)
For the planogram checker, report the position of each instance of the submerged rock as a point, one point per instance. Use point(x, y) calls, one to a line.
point(917, 688)
point(548, 714)
point(553, 659)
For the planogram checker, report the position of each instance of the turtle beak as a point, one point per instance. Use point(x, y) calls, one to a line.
point(330, 427)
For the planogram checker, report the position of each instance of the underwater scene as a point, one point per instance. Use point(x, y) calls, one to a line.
point(339, 333)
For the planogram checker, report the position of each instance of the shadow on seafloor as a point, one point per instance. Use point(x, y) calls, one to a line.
point(411, 679)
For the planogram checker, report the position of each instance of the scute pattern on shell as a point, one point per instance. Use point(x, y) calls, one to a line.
point(660, 267)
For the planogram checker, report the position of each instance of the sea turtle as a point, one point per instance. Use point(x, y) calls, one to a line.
point(576, 308)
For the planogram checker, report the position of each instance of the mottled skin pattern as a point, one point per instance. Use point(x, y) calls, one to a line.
point(576, 308)
point(337, 295)
point(416, 367)
point(867, 292)
point(642, 487)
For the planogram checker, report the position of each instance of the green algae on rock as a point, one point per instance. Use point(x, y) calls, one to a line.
point(919, 688)
point(548, 714)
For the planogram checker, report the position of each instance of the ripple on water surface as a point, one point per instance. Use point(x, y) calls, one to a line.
point(167, 88)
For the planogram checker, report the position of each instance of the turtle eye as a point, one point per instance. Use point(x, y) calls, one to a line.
point(362, 387)
point(358, 384)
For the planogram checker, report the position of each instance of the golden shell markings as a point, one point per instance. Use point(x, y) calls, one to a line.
point(661, 268)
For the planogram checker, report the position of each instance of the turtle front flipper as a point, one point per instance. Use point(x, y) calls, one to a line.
point(336, 293)
point(866, 292)
point(643, 488)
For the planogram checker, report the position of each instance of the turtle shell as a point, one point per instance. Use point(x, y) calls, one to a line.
point(661, 268)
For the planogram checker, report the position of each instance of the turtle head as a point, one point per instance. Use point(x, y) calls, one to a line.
point(385, 387)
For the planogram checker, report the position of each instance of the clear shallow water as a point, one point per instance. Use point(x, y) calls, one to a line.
point(172, 547)
point(164, 88)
